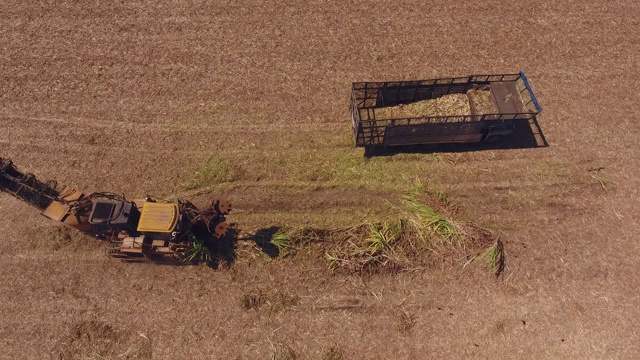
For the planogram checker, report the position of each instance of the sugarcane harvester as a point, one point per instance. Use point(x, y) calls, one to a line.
point(142, 229)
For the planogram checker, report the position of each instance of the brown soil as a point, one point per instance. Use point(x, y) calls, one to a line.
point(131, 97)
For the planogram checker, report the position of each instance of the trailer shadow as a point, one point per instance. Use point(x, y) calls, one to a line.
point(527, 134)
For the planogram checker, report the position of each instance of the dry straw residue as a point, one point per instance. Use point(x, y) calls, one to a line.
point(481, 99)
point(448, 105)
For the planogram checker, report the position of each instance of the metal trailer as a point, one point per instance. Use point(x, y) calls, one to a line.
point(510, 93)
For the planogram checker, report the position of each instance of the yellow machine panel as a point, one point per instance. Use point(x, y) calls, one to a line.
point(158, 217)
point(58, 210)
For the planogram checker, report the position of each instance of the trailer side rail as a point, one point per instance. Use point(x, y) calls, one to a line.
point(370, 130)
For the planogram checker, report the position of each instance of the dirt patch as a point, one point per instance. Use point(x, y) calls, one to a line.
point(274, 301)
point(55, 237)
point(94, 339)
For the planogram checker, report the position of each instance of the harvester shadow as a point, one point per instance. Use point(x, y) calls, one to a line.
point(527, 134)
point(262, 239)
point(223, 250)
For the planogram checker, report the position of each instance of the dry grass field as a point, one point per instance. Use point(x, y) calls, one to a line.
point(249, 100)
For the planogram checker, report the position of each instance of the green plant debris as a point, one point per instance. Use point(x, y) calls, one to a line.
point(282, 241)
point(493, 257)
point(198, 252)
point(426, 221)
point(383, 235)
point(411, 238)
point(391, 243)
